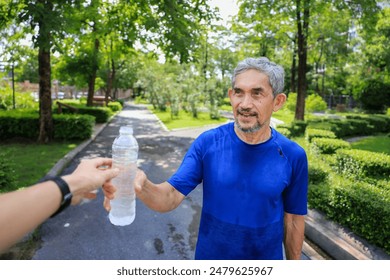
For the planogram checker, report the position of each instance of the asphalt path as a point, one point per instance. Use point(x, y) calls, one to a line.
point(84, 232)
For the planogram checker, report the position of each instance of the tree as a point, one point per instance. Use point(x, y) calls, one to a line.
point(47, 22)
point(171, 25)
point(297, 19)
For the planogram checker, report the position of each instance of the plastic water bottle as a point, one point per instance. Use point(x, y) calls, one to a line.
point(124, 155)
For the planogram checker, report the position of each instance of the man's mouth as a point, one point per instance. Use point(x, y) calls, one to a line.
point(246, 114)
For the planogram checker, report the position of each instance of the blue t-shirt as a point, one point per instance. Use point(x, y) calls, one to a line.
point(246, 190)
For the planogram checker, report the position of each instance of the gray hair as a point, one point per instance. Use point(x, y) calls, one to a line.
point(274, 72)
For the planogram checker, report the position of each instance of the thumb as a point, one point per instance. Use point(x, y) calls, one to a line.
point(111, 173)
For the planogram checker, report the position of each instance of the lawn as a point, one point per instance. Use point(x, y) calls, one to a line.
point(32, 161)
point(185, 119)
point(380, 143)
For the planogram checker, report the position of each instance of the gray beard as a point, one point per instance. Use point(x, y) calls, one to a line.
point(252, 129)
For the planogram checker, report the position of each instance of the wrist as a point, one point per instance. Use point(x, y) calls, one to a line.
point(66, 194)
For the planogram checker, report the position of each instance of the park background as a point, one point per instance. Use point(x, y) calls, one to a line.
point(69, 65)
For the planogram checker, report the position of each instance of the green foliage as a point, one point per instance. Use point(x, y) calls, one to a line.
point(19, 123)
point(285, 131)
point(359, 164)
point(327, 145)
point(101, 114)
point(375, 96)
point(296, 128)
point(365, 209)
point(22, 100)
point(360, 206)
point(317, 173)
point(115, 106)
point(7, 172)
point(25, 124)
point(352, 126)
point(291, 102)
point(70, 127)
point(315, 103)
point(378, 123)
point(318, 133)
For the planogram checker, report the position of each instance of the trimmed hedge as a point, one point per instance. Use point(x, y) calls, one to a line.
point(286, 132)
point(317, 174)
point(25, 124)
point(327, 145)
point(318, 133)
point(71, 127)
point(353, 125)
point(296, 128)
point(101, 114)
point(359, 164)
point(362, 207)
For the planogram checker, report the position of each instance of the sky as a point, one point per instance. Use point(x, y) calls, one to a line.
point(227, 8)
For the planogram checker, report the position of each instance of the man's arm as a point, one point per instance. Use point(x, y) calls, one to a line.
point(294, 234)
point(158, 197)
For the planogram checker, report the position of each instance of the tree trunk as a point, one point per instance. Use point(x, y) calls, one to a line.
point(303, 25)
point(92, 77)
point(46, 127)
point(293, 85)
point(110, 80)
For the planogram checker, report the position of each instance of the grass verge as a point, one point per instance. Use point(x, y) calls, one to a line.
point(31, 161)
point(185, 119)
point(379, 144)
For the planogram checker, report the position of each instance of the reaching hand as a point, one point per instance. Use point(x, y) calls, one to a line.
point(89, 176)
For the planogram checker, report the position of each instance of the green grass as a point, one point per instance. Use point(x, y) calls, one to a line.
point(380, 144)
point(185, 119)
point(32, 161)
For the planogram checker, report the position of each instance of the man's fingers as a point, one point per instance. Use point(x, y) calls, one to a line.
point(107, 204)
point(90, 195)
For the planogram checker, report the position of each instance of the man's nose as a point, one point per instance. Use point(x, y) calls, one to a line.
point(247, 101)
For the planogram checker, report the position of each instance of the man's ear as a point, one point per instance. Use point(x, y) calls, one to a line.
point(279, 101)
point(230, 93)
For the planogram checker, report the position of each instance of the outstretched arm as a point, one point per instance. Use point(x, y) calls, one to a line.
point(23, 210)
point(159, 197)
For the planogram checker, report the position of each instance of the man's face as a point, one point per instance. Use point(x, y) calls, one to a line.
point(252, 101)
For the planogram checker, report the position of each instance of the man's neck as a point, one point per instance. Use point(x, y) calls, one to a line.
point(254, 138)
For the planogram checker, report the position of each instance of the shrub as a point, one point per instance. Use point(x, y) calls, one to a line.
point(22, 100)
point(318, 133)
point(360, 164)
point(291, 102)
point(327, 145)
point(101, 114)
point(360, 206)
point(69, 127)
point(296, 128)
point(365, 209)
point(315, 103)
point(25, 124)
point(285, 131)
point(115, 106)
point(19, 123)
point(317, 174)
point(378, 123)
